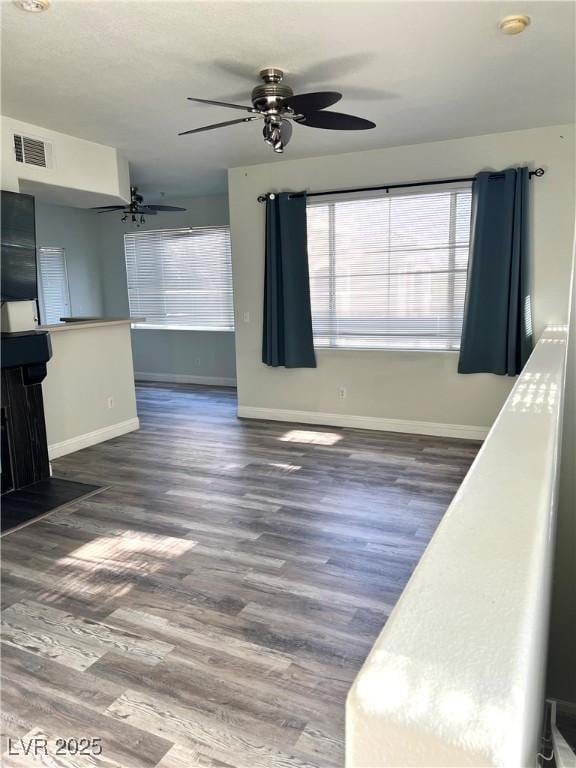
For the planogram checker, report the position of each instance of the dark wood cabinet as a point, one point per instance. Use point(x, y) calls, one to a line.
point(18, 247)
point(24, 443)
point(24, 458)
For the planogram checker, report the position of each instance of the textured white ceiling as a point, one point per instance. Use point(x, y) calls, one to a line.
point(119, 73)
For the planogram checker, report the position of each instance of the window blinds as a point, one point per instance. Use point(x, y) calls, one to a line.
point(389, 271)
point(53, 284)
point(180, 278)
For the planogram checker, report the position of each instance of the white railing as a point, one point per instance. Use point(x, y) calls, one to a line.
point(456, 677)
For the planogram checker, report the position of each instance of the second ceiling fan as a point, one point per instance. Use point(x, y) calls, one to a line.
point(136, 209)
point(276, 104)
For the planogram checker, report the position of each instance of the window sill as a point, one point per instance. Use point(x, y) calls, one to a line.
point(425, 350)
point(150, 327)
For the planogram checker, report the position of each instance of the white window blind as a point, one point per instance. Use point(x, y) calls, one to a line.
point(180, 278)
point(389, 271)
point(53, 283)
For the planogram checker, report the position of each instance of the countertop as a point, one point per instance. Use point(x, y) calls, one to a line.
point(96, 322)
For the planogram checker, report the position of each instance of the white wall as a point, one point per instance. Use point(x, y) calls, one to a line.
point(562, 664)
point(82, 174)
point(76, 231)
point(167, 355)
point(90, 364)
point(397, 386)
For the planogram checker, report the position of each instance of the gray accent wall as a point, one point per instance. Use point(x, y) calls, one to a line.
point(77, 231)
point(186, 356)
point(203, 356)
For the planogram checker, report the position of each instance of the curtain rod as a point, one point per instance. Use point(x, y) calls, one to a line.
point(262, 198)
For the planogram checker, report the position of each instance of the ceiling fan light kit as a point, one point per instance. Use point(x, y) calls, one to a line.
point(275, 102)
point(135, 211)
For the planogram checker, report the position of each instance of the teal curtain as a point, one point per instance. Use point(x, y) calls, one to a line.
point(497, 329)
point(287, 329)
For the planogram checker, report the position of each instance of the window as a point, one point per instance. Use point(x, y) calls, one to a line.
point(180, 278)
point(53, 284)
point(389, 271)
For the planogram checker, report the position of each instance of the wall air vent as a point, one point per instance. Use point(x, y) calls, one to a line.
point(32, 151)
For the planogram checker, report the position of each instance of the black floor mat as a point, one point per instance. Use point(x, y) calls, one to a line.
point(35, 500)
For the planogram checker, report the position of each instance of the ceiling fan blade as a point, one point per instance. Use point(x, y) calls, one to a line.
point(219, 125)
point(145, 211)
point(335, 121)
point(104, 208)
point(154, 208)
point(285, 132)
point(312, 102)
point(222, 104)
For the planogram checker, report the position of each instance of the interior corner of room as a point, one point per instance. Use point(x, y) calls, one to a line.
point(288, 392)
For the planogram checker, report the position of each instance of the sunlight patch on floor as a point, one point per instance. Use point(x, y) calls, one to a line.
point(111, 565)
point(310, 436)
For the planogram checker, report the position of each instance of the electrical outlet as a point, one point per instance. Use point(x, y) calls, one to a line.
point(246, 317)
point(110, 402)
point(342, 392)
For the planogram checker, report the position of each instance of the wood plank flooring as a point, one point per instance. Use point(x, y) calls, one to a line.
point(212, 606)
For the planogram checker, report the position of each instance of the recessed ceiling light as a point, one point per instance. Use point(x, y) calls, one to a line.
point(513, 25)
point(34, 6)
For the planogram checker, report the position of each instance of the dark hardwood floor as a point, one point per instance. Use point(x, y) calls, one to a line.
point(211, 606)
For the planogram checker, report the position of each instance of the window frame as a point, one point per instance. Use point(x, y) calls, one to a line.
point(177, 327)
point(387, 194)
point(41, 296)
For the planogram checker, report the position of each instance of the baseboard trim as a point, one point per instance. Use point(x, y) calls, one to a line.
point(463, 431)
point(92, 438)
point(184, 378)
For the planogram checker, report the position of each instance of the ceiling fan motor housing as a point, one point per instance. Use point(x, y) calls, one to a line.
point(269, 95)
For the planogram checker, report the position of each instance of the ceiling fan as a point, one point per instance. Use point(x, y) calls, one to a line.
point(277, 105)
point(136, 210)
